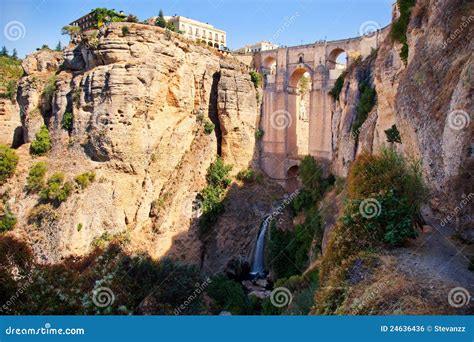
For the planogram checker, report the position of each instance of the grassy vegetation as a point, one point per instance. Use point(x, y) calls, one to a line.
point(10, 73)
point(83, 180)
point(67, 121)
point(68, 287)
point(259, 134)
point(209, 127)
point(8, 163)
point(247, 175)
point(36, 177)
point(256, 79)
point(212, 196)
point(393, 185)
point(365, 105)
point(227, 295)
point(400, 26)
point(56, 189)
point(49, 89)
point(7, 218)
point(42, 143)
point(335, 92)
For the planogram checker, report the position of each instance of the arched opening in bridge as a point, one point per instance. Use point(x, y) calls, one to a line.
point(337, 62)
point(300, 108)
point(269, 65)
point(292, 182)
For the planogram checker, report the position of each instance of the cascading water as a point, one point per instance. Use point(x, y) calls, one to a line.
point(258, 264)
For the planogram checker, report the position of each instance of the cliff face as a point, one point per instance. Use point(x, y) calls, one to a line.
point(429, 100)
point(139, 102)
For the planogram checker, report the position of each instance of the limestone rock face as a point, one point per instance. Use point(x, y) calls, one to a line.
point(138, 103)
point(10, 123)
point(430, 102)
point(39, 67)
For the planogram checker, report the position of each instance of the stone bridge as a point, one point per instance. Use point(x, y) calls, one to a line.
point(297, 124)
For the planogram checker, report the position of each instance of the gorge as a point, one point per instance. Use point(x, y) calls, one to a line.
point(148, 163)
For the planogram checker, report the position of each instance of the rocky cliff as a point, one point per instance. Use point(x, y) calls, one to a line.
point(139, 101)
point(428, 99)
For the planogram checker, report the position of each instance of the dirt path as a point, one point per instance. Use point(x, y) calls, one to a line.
point(437, 256)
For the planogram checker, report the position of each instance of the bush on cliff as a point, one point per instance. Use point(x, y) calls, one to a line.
point(8, 162)
point(385, 192)
point(35, 179)
point(42, 143)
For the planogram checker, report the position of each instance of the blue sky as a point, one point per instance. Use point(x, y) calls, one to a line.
point(28, 24)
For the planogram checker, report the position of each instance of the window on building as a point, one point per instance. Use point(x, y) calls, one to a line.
point(197, 31)
point(216, 37)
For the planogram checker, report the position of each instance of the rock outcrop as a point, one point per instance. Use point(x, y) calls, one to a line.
point(139, 102)
point(429, 100)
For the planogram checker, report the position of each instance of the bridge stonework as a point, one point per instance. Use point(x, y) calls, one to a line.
point(282, 147)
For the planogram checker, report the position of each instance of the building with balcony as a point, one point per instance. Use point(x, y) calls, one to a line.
point(258, 47)
point(199, 31)
point(93, 19)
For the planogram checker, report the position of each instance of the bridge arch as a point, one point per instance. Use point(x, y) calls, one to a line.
point(292, 183)
point(337, 59)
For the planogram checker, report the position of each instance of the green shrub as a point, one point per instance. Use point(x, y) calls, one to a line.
point(67, 121)
point(393, 135)
point(56, 190)
point(8, 162)
point(79, 227)
point(10, 73)
point(335, 92)
point(259, 134)
point(256, 79)
point(35, 179)
point(212, 196)
point(310, 173)
point(125, 30)
point(49, 89)
point(400, 26)
point(304, 200)
point(209, 127)
point(42, 143)
point(365, 105)
point(218, 174)
point(84, 179)
point(247, 175)
point(392, 186)
point(7, 218)
point(227, 295)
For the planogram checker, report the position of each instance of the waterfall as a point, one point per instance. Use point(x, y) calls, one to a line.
point(258, 264)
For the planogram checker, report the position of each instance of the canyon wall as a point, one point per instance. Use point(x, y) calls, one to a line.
point(429, 100)
point(139, 100)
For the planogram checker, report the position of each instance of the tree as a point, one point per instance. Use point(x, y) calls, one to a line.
point(15, 54)
point(71, 30)
point(45, 47)
point(4, 51)
point(59, 47)
point(161, 21)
